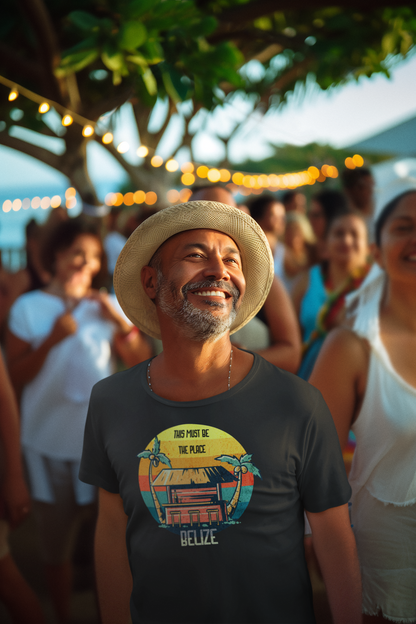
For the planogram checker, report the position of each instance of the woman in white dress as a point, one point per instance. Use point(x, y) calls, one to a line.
point(59, 345)
point(367, 376)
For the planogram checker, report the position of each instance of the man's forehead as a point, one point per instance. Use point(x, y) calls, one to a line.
point(200, 237)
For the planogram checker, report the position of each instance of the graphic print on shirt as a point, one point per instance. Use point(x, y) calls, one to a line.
point(196, 481)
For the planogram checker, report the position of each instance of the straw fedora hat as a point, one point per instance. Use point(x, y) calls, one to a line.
point(255, 252)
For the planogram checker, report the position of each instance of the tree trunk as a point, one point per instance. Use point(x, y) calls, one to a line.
point(154, 496)
point(232, 506)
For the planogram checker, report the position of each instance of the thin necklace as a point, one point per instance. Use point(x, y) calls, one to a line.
point(229, 372)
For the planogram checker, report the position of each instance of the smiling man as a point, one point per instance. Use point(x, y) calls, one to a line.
point(207, 456)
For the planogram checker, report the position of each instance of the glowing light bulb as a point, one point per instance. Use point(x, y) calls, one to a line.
point(123, 147)
point(67, 120)
point(87, 131)
point(358, 160)
point(107, 138)
point(13, 95)
point(44, 107)
point(188, 179)
point(157, 161)
point(172, 165)
point(142, 151)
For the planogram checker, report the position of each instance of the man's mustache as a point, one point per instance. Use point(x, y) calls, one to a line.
point(212, 285)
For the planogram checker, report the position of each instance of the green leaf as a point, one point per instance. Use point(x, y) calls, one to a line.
point(144, 455)
point(116, 78)
point(137, 59)
point(153, 52)
point(165, 460)
point(170, 89)
point(156, 446)
point(228, 460)
point(112, 60)
point(75, 62)
point(150, 81)
point(86, 44)
point(246, 458)
point(252, 468)
point(132, 35)
point(137, 8)
point(83, 20)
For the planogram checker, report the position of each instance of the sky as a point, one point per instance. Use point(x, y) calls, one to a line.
point(340, 117)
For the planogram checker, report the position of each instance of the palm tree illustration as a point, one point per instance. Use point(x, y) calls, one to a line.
point(241, 466)
point(155, 457)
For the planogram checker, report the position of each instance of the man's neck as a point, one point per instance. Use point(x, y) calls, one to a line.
point(189, 370)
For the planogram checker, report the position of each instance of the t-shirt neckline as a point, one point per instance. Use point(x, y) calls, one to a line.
point(201, 402)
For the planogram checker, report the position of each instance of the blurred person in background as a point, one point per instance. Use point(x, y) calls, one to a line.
point(299, 246)
point(367, 376)
point(59, 344)
point(319, 295)
point(270, 215)
point(358, 185)
point(273, 333)
point(324, 206)
point(19, 599)
point(294, 201)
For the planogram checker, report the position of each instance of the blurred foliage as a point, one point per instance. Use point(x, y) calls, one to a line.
point(93, 55)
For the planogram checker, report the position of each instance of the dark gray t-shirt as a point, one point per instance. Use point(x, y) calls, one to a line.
point(214, 491)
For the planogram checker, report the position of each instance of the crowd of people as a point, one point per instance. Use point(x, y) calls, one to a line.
point(339, 312)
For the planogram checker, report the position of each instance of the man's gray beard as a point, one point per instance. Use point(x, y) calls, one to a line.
point(196, 324)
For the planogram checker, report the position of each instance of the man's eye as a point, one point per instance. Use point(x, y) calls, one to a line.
point(231, 260)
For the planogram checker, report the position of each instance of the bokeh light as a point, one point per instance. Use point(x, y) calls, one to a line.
point(44, 107)
point(187, 167)
point(142, 151)
point(172, 165)
point(107, 138)
point(151, 198)
point(157, 161)
point(188, 179)
point(202, 171)
point(173, 196)
point(139, 197)
point(87, 131)
point(67, 120)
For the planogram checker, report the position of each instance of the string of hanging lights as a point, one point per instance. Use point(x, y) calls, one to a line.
point(242, 182)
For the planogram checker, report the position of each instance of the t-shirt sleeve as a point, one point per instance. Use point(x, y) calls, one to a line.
point(322, 480)
point(96, 468)
point(18, 320)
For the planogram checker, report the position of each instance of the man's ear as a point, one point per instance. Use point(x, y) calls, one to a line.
point(149, 281)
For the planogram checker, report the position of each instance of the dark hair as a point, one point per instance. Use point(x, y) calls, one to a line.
point(258, 206)
point(62, 237)
point(333, 204)
point(351, 177)
point(289, 195)
point(386, 212)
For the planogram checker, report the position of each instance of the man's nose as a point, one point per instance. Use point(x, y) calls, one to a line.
point(216, 269)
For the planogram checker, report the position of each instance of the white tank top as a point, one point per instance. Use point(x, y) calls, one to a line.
point(385, 457)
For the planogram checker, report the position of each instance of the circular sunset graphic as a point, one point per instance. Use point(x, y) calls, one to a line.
point(196, 481)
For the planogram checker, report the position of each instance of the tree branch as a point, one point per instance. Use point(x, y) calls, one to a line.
point(37, 15)
point(35, 151)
